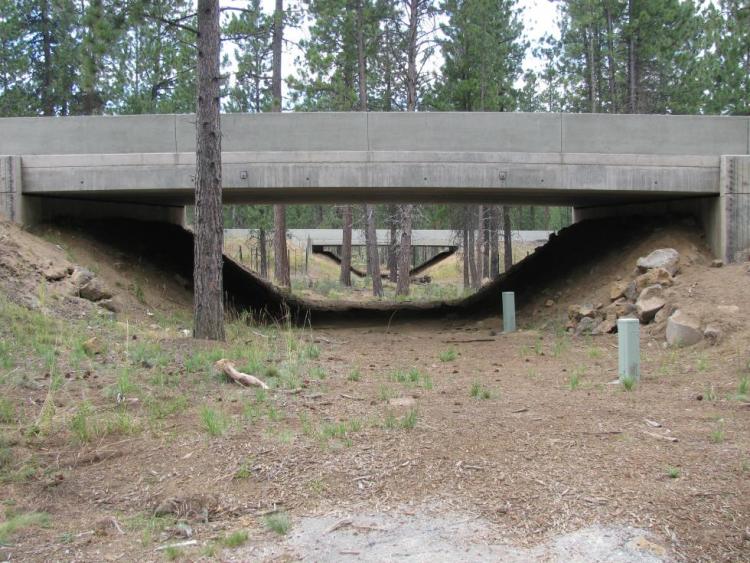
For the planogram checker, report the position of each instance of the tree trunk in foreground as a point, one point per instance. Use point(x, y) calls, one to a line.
point(345, 276)
point(208, 305)
point(281, 257)
point(392, 243)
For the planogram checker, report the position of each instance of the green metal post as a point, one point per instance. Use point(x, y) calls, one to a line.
point(629, 348)
point(509, 311)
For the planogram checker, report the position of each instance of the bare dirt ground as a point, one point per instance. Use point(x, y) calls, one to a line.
point(378, 442)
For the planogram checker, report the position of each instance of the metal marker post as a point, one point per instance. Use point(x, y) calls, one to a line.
point(629, 348)
point(509, 311)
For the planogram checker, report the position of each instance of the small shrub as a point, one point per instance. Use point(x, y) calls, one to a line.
point(172, 553)
point(354, 375)
point(448, 355)
point(710, 393)
point(717, 436)
point(279, 522)
point(673, 472)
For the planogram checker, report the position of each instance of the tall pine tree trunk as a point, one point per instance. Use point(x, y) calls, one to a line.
point(281, 257)
point(610, 60)
point(494, 242)
point(471, 251)
point(208, 305)
point(373, 259)
point(632, 60)
point(393, 221)
point(507, 239)
point(480, 244)
point(345, 275)
point(466, 247)
point(263, 253)
point(404, 257)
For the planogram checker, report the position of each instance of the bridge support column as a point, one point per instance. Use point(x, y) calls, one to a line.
point(734, 220)
point(10, 188)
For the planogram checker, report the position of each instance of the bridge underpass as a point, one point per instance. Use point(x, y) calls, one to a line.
point(602, 165)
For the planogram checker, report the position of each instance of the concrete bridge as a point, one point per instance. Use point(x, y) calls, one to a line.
point(602, 165)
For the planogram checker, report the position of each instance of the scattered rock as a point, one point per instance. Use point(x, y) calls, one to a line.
point(402, 402)
point(608, 325)
point(622, 308)
point(712, 334)
point(617, 290)
point(56, 273)
point(717, 263)
point(663, 314)
point(94, 290)
point(652, 277)
point(631, 291)
point(683, 330)
point(649, 302)
point(92, 347)
point(549, 303)
point(112, 305)
point(81, 276)
point(585, 326)
point(667, 258)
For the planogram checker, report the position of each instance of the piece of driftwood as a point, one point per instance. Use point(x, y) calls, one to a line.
point(661, 437)
point(242, 378)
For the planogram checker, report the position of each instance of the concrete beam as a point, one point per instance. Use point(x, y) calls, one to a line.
point(302, 176)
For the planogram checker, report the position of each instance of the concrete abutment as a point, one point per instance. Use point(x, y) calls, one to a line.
point(725, 217)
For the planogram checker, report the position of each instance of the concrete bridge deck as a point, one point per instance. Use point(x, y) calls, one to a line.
point(600, 164)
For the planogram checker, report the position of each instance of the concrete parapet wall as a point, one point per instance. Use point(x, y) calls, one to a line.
point(395, 131)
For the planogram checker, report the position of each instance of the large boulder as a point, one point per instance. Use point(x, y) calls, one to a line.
point(94, 290)
point(649, 302)
point(683, 330)
point(81, 276)
point(666, 258)
point(585, 326)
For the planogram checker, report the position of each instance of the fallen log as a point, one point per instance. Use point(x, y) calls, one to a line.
point(235, 375)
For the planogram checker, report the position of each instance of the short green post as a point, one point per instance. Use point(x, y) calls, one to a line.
point(509, 311)
point(629, 348)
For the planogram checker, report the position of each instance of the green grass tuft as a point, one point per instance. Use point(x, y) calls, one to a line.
point(279, 522)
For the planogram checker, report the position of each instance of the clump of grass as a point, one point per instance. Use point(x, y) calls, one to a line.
point(18, 522)
point(318, 372)
point(594, 352)
point(743, 387)
point(172, 553)
point(312, 352)
point(409, 420)
point(235, 539)
point(448, 355)
point(574, 381)
point(7, 411)
point(80, 425)
point(628, 382)
point(673, 472)
point(214, 422)
point(710, 393)
point(479, 392)
point(354, 375)
point(279, 522)
point(717, 435)
point(385, 393)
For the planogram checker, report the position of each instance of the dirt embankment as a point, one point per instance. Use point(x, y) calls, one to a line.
point(583, 258)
